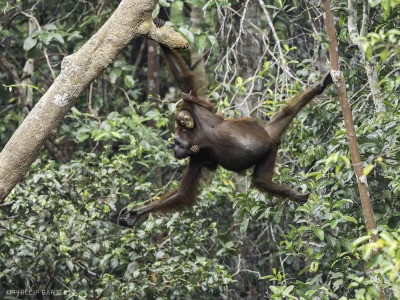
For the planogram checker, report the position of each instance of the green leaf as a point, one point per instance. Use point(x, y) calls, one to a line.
point(388, 238)
point(303, 208)
point(177, 5)
point(70, 265)
point(361, 240)
point(95, 247)
point(45, 37)
point(75, 111)
point(275, 290)
point(280, 5)
point(254, 209)
point(82, 136)
point(160, 254)
point(50, 26)
point(317, 175)
point(346, 160)
point(29, 43)
point(314, 266)
point(244, 225)
point(333, 223)
point(90, 19)
point(129, 81)
point(239, 81)
point(35, 51)
point(187, 33)
point(64, 249)
point(331, 240)
point(288, 290)
point(57, 37)
point(319, 233)
point(201, 43)
point(366, 254)
point(337, 284)
point(368, 53)
point(337, 275)
point(116, 134)
point(74, 35)
point(350, 219)
point(103, 135)
point(386, 8)
point(314, 279)
point(346, 244)
point(385, 54)
point(340, 203)
point(114, 74)
point(368, 169)
point(398, 257)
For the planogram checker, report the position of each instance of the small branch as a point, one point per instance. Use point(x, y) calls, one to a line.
point(386, 153)
point(18, 234)
point(225, 58)
point(89, 104)
point(140, 54)
point(352, 24)
point(91, 273)
point(7, 108)
point(7, 204)
point(48, 62)
point(33, 18)
point(238, 266)
point(277, 40)
point(165, 35)
point(365, 18)
point(9, 218)
point(371, 65)
point(12, 19)
point(338, 79)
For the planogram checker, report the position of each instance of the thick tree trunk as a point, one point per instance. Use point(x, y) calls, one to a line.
point(132, 18)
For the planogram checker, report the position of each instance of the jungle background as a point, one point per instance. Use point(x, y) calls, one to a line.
point(114, 149)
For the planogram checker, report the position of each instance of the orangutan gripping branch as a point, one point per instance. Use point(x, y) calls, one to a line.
point(236, 145)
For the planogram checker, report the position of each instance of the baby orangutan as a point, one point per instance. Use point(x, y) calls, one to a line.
point(185, 119)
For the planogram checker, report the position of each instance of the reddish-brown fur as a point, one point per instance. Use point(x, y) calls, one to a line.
point(235, 145)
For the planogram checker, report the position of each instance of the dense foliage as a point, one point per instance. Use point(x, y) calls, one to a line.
point(114, 149)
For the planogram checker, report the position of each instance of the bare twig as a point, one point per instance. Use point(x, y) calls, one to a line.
point(7, 108)
point(48, 63)
point(277, 41)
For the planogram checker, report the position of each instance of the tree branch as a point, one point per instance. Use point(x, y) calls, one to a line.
point(370, 66)
point(338, 79)
point(132, 19)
